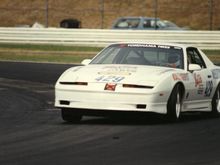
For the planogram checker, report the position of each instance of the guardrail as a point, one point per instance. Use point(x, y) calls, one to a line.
point(98, 37)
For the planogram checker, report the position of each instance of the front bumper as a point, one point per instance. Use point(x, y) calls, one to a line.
point(111, 101)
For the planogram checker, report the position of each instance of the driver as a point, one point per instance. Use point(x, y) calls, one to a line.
point(174, 61)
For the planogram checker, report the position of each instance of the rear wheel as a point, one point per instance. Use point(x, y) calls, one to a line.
point(216, 103)
point(71, 115)
point(174, 104)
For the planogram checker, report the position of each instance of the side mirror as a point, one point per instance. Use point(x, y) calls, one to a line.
point(86, 61)
point(194, 67)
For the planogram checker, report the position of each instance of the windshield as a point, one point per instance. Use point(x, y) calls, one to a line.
point(141, 54)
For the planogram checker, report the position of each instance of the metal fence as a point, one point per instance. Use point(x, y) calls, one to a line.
point(98, 37)
point(195, 14)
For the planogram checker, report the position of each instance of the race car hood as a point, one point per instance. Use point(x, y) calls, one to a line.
point(124, 74)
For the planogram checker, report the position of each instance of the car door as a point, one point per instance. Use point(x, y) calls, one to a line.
point(202, 80)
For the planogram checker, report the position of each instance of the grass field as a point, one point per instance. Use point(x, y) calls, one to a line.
point(46, 53)
point(61, 54)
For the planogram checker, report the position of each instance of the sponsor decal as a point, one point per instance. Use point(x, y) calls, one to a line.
point(109, 78)
point(153, 46)
point(118, 70)
point(175, 47)
point(180, 77)
point(198, 79)
point(198, 83)
point(114, 73)
point(110, 86)
point(163, 47)
point(208, 89)
point(167, 70)
point(200, 89)
point(142, 45)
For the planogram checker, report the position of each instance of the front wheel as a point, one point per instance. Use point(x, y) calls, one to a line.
point(216, 103)
point(71, 115)
point(174, 104)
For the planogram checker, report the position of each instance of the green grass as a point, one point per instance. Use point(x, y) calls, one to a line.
point(42, 58)
point(61, 53)
point(212, 52)
point(46, 53)
point(48, 47)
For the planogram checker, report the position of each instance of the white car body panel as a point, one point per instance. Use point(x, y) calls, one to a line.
point(153, 86)
point(94, 96)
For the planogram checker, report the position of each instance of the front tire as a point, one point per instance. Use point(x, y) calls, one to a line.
point(174, 104)
point(70, 115)
point(216, 103)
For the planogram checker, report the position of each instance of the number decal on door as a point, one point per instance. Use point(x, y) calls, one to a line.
point(208, 89)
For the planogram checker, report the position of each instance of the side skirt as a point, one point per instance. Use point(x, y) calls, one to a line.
point(198, 105)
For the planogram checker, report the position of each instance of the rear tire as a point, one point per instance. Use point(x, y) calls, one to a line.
point(216, 103)
point(174, 104)
point(71, 115)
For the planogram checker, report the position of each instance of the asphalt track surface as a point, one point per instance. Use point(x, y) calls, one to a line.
point(32, 131)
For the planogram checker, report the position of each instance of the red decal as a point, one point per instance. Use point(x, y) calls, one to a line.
point(181, 76)
point(198, 79)
point(176, 77)
point(110, 86)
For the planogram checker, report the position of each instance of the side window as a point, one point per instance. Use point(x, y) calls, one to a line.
point(194, 57)
point(147, 24)
point(150, 24)
point(122, 24)
point(128, 23)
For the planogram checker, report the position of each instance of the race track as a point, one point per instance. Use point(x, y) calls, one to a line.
point(32, 131)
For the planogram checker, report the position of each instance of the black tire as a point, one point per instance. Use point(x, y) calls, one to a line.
point(71, 115)
point(216, 103)
point(174, 104)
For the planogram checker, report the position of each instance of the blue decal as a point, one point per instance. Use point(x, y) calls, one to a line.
point(208, 89)
point(109, 78)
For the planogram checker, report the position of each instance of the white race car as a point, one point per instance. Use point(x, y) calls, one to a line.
point(140, 77)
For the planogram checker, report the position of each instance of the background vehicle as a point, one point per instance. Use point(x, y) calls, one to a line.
point(143, 23)
point(70, 23)
point(140, 77)
point(171, 25)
